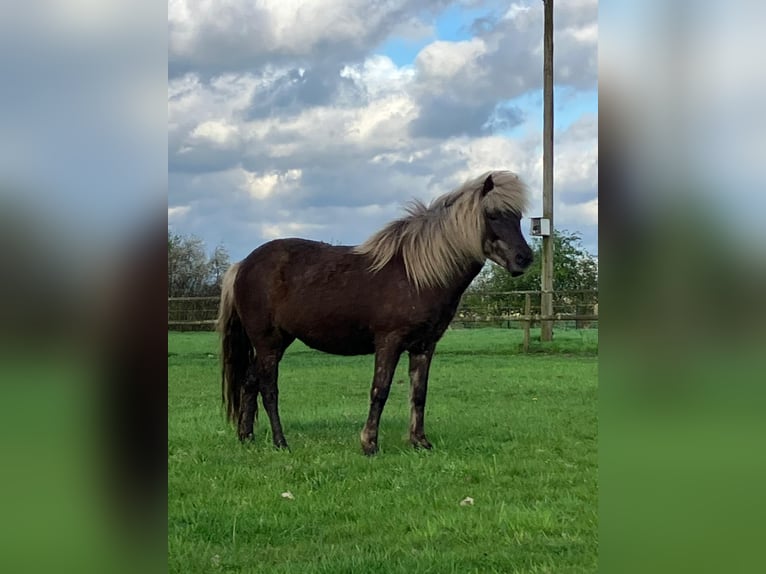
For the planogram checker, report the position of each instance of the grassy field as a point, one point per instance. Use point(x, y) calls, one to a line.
point(516, 433)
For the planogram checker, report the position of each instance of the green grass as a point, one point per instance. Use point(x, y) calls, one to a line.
point(517, 433)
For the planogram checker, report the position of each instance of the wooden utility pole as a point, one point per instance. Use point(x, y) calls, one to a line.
point(546, 299)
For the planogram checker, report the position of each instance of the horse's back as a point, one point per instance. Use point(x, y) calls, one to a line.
point(300, 265)
point(316, 292)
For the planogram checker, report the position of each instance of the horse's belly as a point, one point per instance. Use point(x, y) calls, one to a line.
point(340, 343)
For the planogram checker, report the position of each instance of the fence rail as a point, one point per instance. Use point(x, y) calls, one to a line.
point(205, 323)
point(572, 309)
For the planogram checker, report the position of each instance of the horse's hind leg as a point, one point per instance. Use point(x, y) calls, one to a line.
point(248, 404)
point(267, 365)
point(268, 372)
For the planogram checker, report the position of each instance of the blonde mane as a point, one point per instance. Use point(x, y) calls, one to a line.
point(437, 241)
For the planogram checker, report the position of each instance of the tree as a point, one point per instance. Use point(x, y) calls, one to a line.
point(190, 272)
point(217, 266)
point(574, 269)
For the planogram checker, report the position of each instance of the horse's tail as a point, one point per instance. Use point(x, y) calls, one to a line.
point(236, 350)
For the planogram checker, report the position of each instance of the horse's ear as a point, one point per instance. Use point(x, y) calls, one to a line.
point(489, 185)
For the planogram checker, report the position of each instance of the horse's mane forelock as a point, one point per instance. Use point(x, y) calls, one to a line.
point(436, 241)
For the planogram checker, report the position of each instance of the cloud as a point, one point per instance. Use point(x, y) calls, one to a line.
point(443, 117)
point(240, 34)
point(276, 231)
point(261, 186)
point(576, 157)
point(177, 211)
point(577, 215)
point(440, 63)
point(316, 135)
point(459, 84)
point(378, 76)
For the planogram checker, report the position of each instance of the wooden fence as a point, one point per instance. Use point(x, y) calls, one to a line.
point(509, 309)
point(192, 313)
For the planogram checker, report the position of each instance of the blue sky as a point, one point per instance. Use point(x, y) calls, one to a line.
point(453, 24)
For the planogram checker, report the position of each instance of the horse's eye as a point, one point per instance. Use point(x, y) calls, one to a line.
point(493, 216)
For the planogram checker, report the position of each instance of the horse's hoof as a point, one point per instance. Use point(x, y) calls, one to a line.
point(245, 436)
point(421, 443)
point(370, 449)
point(282, 445)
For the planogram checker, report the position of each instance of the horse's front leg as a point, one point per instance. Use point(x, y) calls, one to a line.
point(419, 367)
point(386, 358)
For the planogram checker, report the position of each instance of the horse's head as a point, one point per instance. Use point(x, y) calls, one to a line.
point(503, 241)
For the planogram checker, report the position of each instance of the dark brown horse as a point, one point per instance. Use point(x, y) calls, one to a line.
point(396, 292)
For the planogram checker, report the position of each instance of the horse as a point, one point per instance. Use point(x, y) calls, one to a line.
point(398, 291)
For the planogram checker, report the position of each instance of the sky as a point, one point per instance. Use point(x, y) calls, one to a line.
point(322, 119)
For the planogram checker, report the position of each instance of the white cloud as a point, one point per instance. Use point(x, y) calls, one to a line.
point(516, 10)
point(587, 34)
point(282, 230)
point(178, 211)
point(483, 154)
point(218, 133)
point(230, 33)
point(191, 100)
point(261, 186)
point(441, 61)
point(577, 215)
point(293, 147)
point(379, 76)
point(576, 156)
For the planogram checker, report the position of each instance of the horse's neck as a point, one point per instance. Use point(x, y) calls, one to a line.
point(463, 280)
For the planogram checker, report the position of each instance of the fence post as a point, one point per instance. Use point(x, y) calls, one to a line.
point(528, 319)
